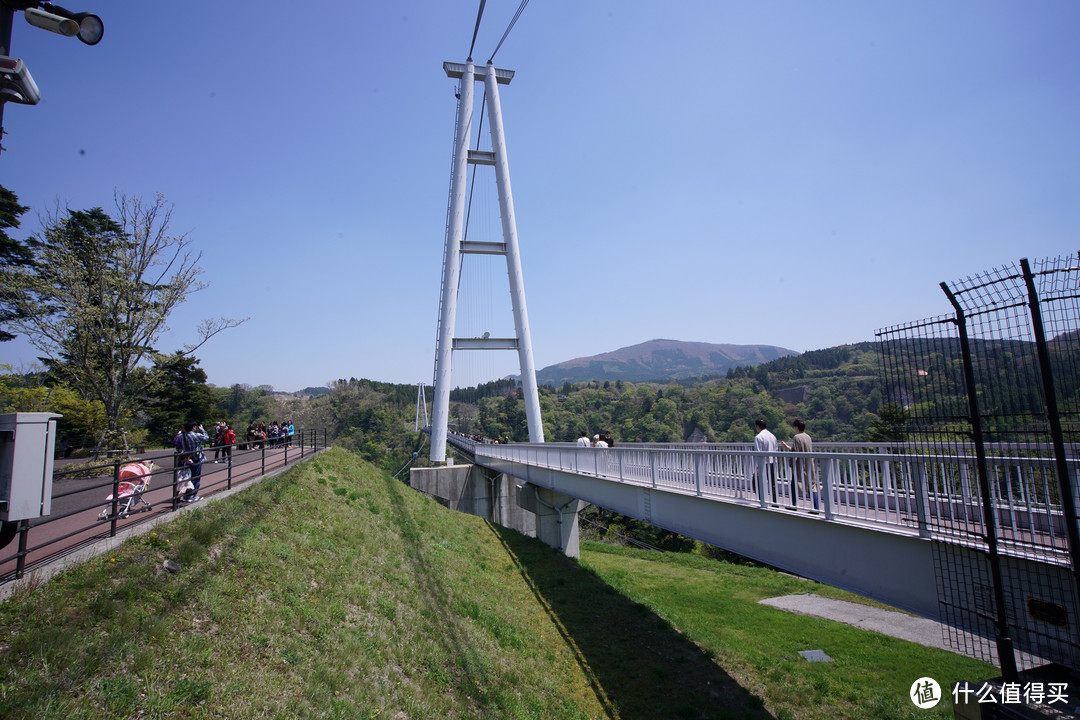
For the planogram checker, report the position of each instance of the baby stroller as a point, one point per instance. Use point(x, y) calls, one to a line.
point(134, 481)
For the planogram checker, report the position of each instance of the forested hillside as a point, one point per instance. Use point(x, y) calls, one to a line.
point(660, 359)
point(835, 390)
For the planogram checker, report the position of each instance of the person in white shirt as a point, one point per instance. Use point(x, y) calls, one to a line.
point(583, 441)
point(598, 442)
point(765, 441)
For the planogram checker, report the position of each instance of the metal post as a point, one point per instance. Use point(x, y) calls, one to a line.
point(763, 472)
point(7, 15)
point(115, 498)
point(529, 389)
point(1057, 436)
point(1006, 656)
point(175, 503)
point(228, 471)
point(921, 487)
point(20, 562)
point(455, 228)
point(262, 453)
point(828, 480)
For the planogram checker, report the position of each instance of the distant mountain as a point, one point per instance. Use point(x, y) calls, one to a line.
point(660, 360)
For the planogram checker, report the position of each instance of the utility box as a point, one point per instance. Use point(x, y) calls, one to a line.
point(26, 464)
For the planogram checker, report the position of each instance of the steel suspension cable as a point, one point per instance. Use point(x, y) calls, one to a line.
point(521, 8)
point(479, 14)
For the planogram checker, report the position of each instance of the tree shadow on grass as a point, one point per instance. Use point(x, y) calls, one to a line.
point(639, 666)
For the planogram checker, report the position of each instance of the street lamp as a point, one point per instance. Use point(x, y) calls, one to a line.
point(90, 27)
point(16, 83)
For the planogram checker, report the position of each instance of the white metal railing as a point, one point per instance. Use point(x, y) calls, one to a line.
point(932, 495)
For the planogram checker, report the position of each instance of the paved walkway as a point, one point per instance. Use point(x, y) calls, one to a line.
point(887, 622)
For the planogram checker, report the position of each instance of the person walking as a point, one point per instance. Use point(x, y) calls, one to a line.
point(765, 442)
point(583, 440)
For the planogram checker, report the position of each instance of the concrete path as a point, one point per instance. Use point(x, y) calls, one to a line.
point(887, 622)
point(898, 625)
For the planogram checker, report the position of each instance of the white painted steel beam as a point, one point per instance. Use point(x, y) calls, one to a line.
point(471, 247)
point(485, 343)
point(481, 157)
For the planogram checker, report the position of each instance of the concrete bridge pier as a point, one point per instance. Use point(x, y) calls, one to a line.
point(504, 500)
point(556, 516)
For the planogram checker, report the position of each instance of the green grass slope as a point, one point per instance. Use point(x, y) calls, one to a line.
point(334, 591)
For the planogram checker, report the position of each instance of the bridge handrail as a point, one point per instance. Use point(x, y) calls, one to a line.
point(935, 496)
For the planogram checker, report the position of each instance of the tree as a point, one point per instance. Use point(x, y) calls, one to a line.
point(178, 393)
point(27, 392)
point(13, 254)
point(99, 294)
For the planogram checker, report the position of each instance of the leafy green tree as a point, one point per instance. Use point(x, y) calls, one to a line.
point(83, 420)
point(99, 295)
point(13, 254)
point(178, 393)
point(242, 404)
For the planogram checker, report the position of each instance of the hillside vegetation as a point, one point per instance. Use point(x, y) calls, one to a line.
point(835, 390)
point(334, 591)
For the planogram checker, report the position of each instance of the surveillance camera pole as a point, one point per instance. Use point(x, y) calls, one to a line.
point(87, 26)
point(7, 15)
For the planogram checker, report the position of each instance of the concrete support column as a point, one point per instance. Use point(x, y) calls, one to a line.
point(556, 517)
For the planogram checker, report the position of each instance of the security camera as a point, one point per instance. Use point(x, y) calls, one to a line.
point(52, 23)
point(16, 84)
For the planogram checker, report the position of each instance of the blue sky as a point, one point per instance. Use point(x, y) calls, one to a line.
point(792, 174)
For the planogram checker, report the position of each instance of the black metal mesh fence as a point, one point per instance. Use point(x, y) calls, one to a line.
point(1000, 378)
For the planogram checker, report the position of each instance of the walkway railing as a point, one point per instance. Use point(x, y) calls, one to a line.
point(79, 497)
point(934, 496)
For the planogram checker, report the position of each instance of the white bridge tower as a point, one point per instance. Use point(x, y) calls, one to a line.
point(457, 246)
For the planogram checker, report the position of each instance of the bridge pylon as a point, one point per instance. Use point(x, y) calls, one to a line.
point(457, 246)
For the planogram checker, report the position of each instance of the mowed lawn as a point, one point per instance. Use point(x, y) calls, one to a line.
point(335, 591)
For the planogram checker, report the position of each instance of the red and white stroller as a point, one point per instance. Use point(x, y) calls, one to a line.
point(134, 481)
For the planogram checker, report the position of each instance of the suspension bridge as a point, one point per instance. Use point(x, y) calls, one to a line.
point(978, 534)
